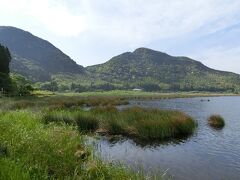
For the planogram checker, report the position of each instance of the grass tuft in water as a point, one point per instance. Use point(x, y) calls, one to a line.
point(137, 123)
point(216, 121)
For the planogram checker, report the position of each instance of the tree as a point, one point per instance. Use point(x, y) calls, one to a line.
point(50, 86)
point(5, 58)
point(5, 81)
point(21, 86)
point(78, 88)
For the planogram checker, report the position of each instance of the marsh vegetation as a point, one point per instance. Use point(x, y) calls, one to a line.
point(32, 150)
point(45, 137)
point(136, 123)
point(216, 121)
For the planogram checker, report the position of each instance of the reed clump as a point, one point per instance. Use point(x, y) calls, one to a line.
point(67, 102)
point(152, 124)
point(138, 123)
point(86, 123)
point(216, 121)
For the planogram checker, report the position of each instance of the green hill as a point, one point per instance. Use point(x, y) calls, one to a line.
point(152, 70)
point(40, 61)
point(34, 57)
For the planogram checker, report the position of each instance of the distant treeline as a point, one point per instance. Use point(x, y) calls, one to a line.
point(149, 87)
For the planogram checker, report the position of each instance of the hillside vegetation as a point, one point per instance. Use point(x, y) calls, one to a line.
point(152, 70)
point(34, 57)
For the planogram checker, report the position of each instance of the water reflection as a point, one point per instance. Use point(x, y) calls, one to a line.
point(208, 154)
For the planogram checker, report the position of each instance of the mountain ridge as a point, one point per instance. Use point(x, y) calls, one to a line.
point(35, 55)
point(40, 61)
point(168, 72)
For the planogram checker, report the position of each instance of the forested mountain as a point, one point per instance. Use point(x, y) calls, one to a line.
point(153, 70)
point(34, 57)
point(40, 61)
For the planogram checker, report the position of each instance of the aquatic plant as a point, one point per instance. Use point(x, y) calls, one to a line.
point(136, 122)
point(216, 121)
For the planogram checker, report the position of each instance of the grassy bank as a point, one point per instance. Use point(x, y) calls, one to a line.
point(59, 102)
point(147, 95)
point(42, 99)
point(31, 150)
point(137, 123)
point(44, 137)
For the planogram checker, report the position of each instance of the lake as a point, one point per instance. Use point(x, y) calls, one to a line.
point(208, 154)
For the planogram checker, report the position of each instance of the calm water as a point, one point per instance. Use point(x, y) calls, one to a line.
point(208, 154)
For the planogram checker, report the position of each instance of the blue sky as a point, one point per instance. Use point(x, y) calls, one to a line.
point(93, 31)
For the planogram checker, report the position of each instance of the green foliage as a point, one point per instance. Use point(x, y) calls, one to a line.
point(49, 86)
point(78, 88)
point(5, 81)
point(5, 58)
point(21, 86)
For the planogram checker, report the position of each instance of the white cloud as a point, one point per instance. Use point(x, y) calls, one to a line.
point(138, 21)
point(49, 14)
point(129, 21)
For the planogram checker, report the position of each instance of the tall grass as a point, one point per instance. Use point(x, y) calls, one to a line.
point(10, 170)
point(67, 102)
point(153, 124)
point(38, 151)
point(72, 100)
point(86, 123)
point(136, 123)
point(59, 102)
point(148, 95)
